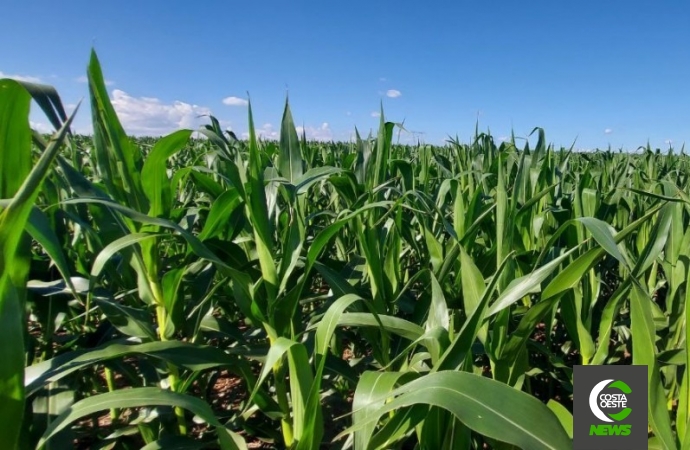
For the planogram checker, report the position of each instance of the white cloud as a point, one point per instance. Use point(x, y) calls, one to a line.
point(375, 114)
point(668, 141)
point(608, 131)
point(27, 78)
point(503, 138)
point(85, 79)
point(41, 127)
point(235, 101)
point(393, 93)
point(225, 124)
point(266, 131)
point(150, 116)
point(321, 133)
point(86, 130)
point(383, 79)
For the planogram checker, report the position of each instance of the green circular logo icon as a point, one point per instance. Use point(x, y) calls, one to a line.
point(597, 400)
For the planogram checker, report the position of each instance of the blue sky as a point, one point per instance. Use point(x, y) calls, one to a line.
point(605, 73)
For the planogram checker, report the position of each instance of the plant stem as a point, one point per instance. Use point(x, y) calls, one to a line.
point(173, 376)
point(282, 398)
point(109, 380)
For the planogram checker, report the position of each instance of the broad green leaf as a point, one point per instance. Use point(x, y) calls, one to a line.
point(438, 311)
point(170, 442)
point(369, 397)
point(138, 397)
point(15, 136)
point(220, 213)
point(154, 175)
point(111, 249)
point(603, 234)
point(488, 407)
point(23, 186)
point(194, 357)
point(312, 176)
point(645, 353)
point(258, 213)
point(564, 416)
point(119, 163)
point(455, 355)
point(392, 324)
point(527, 284)
point(40, 229)
point(473, 288)
point(130, 321)
point(290, 157)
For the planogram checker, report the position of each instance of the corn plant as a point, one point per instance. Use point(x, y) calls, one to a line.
point(201, 291)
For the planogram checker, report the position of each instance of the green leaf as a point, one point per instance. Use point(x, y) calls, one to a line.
point(118, 162)
point(330, 321)
point(290, 157)
point(488, 407)
point(603, 234)
point(23, 186)
point(314, 175)
point(527, 284)
point(370, 395)
point(392, 324)
point(564, 416)
point(15, 136)
point(117, 245)
point(154, 175)
point(138, 397)
point(220, 213)
point(169, 442)
point(258, 212)
point(455, 355)
point(40, 229)
point(473, 288)
point(644, 337)
point(435, 250)
point(130, 321)
point(172, 292)
point(438, 310)
point(194, 357)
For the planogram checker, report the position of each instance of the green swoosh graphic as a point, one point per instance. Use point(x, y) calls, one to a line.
point(621, 415)
point(620, 385)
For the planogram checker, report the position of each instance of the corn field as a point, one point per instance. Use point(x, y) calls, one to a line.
point(211, 292)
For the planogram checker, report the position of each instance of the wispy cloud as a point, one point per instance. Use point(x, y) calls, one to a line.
point(41, 127)
point(152, 117)
point(668, 141)
point(393, 93)
point(27, 78)
point(382, 79)
point(235, 101)
point(608, 131)
point(321, 133)
point(85, 79)
point(267, 132)
point(375, 114)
